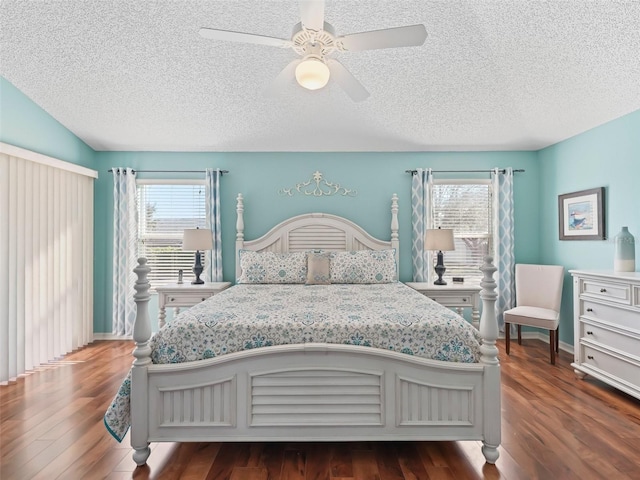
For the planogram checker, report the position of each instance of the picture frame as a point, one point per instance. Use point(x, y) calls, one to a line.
point(581, 215)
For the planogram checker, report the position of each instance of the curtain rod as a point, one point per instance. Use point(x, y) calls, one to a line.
point(501, 170)
point(168, 171)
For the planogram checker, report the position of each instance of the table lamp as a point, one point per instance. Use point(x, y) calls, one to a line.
point(197, 239)
point(440, 239)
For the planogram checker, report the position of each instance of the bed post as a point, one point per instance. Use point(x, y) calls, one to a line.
point(239, 231)
point(395, 242)
point(142, 354)
point(489, 357)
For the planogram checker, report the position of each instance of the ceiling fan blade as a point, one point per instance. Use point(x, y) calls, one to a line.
point(409, 36)
point(283, 79)
point(229, 36)
point(312, 14)
point(347, 81)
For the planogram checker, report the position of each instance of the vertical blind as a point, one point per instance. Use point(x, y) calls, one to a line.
point(466, 208)
point(46, 260)
point(165, 211)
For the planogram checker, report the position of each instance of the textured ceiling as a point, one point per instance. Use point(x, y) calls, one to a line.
point(492, 74)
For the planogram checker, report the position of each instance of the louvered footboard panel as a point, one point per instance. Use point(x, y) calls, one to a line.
point(205, 405)
point(422, 404)
point(316, 397)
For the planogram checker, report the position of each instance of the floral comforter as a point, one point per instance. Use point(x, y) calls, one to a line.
point(391, 316)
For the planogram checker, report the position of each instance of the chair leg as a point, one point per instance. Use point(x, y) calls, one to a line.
point(519, 334)
point(557, 338)
point(552, 346)
point(507, 335)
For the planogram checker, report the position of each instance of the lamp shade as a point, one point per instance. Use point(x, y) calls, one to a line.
point(197, 239)
point(439, 239)
point(312, 73)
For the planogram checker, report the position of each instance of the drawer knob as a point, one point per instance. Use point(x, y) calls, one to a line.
point(590, 357)
point(203, 299)
point(589, 332)
point(172, 299)
point(464, 299)
point(603, 290)
point(589, 309)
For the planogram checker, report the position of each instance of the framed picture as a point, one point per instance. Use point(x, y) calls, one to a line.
point(581, 215)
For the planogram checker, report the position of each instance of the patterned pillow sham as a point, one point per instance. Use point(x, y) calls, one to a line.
point(363, 266)
point(318, 268)
point(272, 267)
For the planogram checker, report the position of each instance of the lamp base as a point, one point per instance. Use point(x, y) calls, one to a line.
point(440, 269)
point(197, 270)
point(439, 281)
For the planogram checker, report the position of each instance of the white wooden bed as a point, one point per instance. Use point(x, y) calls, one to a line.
point(276, 393)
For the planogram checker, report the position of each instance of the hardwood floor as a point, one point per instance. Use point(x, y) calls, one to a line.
point(553, 427)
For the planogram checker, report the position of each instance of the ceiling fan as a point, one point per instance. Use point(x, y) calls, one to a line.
point(315, 41)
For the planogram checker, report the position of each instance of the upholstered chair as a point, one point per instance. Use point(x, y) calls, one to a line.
point(538, 298)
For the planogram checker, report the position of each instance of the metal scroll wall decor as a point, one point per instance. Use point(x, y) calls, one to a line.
point(317, 186)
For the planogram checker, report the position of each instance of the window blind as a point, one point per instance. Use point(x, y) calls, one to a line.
point(46, 259)
point(165, 211)
point(465, 208)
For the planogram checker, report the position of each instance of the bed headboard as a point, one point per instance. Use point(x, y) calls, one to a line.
point(315, 231)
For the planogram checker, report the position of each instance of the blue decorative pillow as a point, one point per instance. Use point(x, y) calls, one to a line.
point(363, 266)
point(272, 267)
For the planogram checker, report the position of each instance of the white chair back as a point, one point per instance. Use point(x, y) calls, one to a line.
point(539, 286)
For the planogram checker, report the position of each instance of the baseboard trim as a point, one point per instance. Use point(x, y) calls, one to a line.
point(110, 336)
point(541, 336)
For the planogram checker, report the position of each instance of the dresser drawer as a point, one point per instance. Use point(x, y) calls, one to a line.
point(611, 292)
point(185, 299)
point(625, 369)
point(610, 314)
point(600, 334)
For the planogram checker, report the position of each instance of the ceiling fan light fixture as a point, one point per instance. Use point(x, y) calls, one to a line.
point(312, 73)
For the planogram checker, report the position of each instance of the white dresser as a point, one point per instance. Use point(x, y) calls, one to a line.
point(606, 308)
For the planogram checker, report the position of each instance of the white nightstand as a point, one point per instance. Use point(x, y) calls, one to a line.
point(454, 295)
point(178, 295)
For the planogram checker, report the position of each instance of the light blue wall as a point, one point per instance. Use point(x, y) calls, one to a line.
point(606, 156)
point(24, 124)
point(259, 176)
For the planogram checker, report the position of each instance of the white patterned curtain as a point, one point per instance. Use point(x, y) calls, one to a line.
point(421, 220)
point(213, 258)
point(502, 186)
point(125, 249)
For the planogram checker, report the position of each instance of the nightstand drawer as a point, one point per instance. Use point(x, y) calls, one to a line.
point(452, 300)
point(186, 299)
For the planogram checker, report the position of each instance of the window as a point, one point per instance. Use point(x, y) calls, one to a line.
point(166, 208)
point(464, 206)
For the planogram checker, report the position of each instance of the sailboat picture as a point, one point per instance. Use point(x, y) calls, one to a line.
point(581, 215)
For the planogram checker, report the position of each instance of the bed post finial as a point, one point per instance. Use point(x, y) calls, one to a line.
point(394, 217)
point(240, 219)
point(142, 354)
point(489, 357)
point(239, 230)
point(488, 321)
point(395, 241)
point(142, 325)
